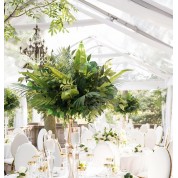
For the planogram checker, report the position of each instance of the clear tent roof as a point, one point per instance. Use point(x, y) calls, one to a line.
point(136, 34)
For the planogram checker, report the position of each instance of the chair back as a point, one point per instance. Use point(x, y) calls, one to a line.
point(159, 134)
point(144, 128)
point(102, 151)
point(136, 137)
point(17, 131)
point(92, 128)
point(170, 150)
point(19, 139)
point(159, 164)
point(24, 154)
point(150, 139)
point(86, 136)
point(40, 139)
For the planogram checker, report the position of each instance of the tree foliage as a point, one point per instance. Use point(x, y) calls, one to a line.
point(150, 110)
point(69, 84)
point(59, 11)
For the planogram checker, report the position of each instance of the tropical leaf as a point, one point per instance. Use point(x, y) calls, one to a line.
point(57, 73)
point(68, 94)
point(88, 57)
point(35, 78)
point(103, 86)
point(80, 59)
point(79, 102)
point(40, 100)
point(92, 94)
point(116, 76)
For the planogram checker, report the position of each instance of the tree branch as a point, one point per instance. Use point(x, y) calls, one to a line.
point(25, 5)
point(36, 7)
point(11, 15)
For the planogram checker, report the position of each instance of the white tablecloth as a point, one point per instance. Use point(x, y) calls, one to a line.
point(135, 163)
point(121, 175)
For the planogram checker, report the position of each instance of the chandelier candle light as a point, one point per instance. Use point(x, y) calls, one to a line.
point(36, 49)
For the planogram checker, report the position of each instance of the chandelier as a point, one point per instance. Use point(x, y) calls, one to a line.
point(36, 49)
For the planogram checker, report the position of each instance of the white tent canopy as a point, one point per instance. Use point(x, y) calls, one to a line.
point(136, 34)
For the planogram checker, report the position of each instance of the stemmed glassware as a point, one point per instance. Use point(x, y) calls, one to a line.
point(75, 136)
point(109, 164)
point(43, 170)
point(50, 148)
point(32, 168)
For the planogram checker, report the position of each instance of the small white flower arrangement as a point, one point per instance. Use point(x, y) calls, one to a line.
point(107, 135)
point(22, 172)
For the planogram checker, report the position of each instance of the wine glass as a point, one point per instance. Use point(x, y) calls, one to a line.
point(75, 136)
point(43, 170)
point(32, 168)
point(108, 165)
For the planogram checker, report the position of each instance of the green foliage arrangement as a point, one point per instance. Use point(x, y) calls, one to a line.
point(59, 11)
point(11, 100)
point(70, 85)
point(126, 103)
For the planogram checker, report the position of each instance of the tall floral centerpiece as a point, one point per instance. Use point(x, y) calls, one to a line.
point(125, 103)
point(69, 85)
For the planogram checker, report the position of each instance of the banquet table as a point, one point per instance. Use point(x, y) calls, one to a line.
point(135, 163)
point(119, 175)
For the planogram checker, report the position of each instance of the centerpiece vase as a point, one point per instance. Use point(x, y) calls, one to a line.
point(70, 150)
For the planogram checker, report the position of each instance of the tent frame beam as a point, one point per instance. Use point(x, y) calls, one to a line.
point(155, 8)
point(123, 26)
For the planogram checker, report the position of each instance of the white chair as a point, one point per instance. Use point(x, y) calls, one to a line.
point(17, 131)
point(40, 139)
point(19, 139)
point(148, 125)
point(155, 126)
point(101, 152)
point(24, 154)
point(170, 150)
point(92, 128)
point(159, 164)
point(83, 130)
point(159, 134)
point(86, 136)
point(144, 128)
point(136, 137)
point(150, 139)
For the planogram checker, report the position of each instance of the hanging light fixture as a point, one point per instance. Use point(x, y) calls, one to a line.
point(36, 49)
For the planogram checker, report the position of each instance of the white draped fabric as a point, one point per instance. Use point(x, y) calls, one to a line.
point(36, 117)
point(20, 119)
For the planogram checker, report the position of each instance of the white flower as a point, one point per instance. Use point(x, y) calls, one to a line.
point(110, 138)
point(22, 169)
